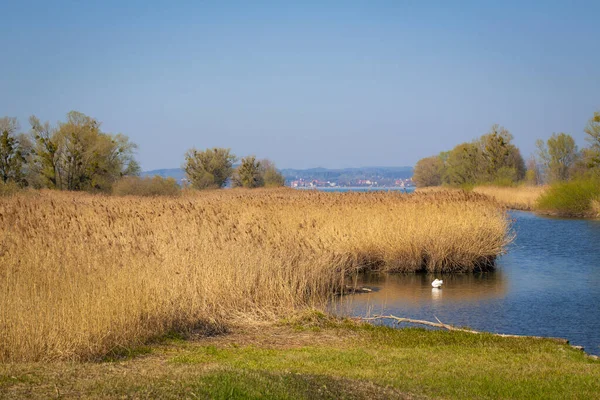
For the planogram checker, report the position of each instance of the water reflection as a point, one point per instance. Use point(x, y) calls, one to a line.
point(414, 290)
point(436, 294)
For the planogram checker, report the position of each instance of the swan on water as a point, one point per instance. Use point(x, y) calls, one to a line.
point(437, 283)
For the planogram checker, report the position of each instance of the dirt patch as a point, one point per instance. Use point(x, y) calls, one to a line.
point(275, 337)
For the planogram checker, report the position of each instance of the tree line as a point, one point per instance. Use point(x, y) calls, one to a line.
point(494, 159)
point(213, 168)
point(77, 155)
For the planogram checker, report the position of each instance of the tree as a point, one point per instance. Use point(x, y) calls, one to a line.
point(490, 159)
point(249, 173)
point(533, 175)
point(501, 160)
point(209, 168)
point(271, 176)
point(429, 171)
point(13, 152)
point(78, 155)
point(463, 165)
point(9, 125)
point(133, 168)
point(558, 155)
point(593, 131)
point(45, 155)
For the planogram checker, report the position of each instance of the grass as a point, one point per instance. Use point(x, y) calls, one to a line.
point(84, 276)
point(329, 359)
point(576, 198)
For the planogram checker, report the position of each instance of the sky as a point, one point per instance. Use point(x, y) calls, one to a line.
point(304, 83)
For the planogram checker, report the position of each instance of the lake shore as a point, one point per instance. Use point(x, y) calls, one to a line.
point(317, 357)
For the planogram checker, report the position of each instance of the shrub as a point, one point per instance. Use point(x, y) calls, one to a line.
point(155, 186)
point(574, 198)
point(9, 188)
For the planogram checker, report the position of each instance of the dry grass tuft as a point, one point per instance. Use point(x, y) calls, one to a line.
point(595, 206)
point(85, 275)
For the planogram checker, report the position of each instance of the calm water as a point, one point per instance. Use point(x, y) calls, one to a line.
point(548, 284)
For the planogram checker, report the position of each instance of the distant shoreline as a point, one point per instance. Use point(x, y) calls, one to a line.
point(357, 188)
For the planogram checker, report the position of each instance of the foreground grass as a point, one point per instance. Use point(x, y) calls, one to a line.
point(321, 359)
point(82, 276)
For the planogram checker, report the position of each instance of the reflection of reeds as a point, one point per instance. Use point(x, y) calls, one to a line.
point(81, 275)
point(416, 288)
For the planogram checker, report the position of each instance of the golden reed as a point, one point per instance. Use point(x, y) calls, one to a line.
point(84, 275)
point(516, 198)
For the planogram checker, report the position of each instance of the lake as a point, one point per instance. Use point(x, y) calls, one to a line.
point(361, 189)
point(548, 284)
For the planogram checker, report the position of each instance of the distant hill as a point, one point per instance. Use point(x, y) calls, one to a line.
point(176, 173)
point(348, 173)
point(341, 176)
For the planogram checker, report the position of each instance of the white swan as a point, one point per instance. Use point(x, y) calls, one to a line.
point(437, 283)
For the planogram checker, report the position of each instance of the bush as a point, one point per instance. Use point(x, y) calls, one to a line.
point(149, 186)
point(9, 188)
point(575, 198)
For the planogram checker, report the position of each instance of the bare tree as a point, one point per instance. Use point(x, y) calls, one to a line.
point(558, 155)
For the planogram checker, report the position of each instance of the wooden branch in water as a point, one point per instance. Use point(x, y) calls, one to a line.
point(440, 324)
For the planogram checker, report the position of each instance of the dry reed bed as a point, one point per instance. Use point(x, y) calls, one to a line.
point(84, 275)
point(516, 198)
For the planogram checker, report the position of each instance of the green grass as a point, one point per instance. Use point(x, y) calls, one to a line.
point(311, 359)
point(572, 198)
point(429, 363)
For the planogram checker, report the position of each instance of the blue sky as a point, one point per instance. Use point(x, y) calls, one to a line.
point(312, 83)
